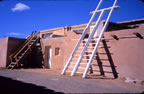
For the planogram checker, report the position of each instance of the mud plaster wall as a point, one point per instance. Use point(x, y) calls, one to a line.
point(128, 53)
point(69, 44)
point(3, 51)
point(7, 47)
point(57, 31)
point(66, 45)
point(56, 60)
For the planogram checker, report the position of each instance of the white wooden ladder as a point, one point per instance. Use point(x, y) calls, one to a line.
point(75, 63)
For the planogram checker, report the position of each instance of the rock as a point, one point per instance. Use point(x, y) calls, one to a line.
point(136, 81)
point(129, 80)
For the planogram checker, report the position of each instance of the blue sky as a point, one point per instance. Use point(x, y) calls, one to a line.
point(18, 18)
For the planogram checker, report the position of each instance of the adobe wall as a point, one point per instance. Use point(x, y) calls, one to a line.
point(56, 31)
point(8, 46)
point(128, 53)
point(66, 45)
point(69, 44)
point(3, 51)
point(55, 59)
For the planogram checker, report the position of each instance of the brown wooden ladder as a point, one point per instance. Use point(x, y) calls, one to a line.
point(17, 57)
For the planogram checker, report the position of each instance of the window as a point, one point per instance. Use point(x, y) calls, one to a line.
point(43, 36)
point(91, 29)
point(57, 51)
point(47, 35)
point(68, 28)
point(78, 31)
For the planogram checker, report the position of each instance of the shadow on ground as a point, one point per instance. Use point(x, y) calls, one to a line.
point(10, 86)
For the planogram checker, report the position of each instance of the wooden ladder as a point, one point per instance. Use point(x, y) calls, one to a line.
point(21, 52)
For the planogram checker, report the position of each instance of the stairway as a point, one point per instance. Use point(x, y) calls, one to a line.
point(17, 57)
point(83, 54)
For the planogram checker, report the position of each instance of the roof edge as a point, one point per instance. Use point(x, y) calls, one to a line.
point(136, 20)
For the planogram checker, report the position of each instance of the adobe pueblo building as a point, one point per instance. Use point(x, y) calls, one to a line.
point(97, 49)
point(120, 52)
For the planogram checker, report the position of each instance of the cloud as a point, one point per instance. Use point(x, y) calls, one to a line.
point(16, 34)
point(20, 7)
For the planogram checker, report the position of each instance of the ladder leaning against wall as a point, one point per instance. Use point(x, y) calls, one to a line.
point(73, 63)
point(17, 57)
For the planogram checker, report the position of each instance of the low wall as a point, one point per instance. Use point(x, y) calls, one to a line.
point(7, 46)
point(3, 51)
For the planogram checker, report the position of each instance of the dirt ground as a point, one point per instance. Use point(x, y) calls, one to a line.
point(45, 81)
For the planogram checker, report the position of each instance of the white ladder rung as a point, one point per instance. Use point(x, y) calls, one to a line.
point(76, 72)
point(78, 67)
point(76, 55)
point(88, 47)
point(85, 55)
point(74, 58)
point(91, 40)
point(79, 72)
point(83, 63)
point(92, 47)
point(80, 63)
point(85, 59)
point(96, 38)
point(85, 51)
point(78, 51)
point(71, 67)
point(83, 44)
point(82, 59)
point(81, 68)
point(86, 39)
point(89, 55)
point(68, 71)
point(106, 9)
point(73, 62)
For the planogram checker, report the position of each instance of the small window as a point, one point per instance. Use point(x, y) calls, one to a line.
point(68, 28)
point(96, 33)
point(48, 35)
point(91, 29)
point(57, 51)
point(79, 31)
point(43, 36)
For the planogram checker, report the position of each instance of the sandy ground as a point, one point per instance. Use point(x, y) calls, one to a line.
point(44, 81)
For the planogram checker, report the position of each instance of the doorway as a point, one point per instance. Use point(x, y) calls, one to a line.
point(48, 56)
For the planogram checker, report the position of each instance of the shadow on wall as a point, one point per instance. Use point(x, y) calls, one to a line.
point(101, 65)
point(112, 65)
point(10, 86)
point(34, 59)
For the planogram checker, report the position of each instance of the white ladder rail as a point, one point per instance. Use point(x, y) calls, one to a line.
point(87, 43)
point(96, 46)
point(81, 38)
